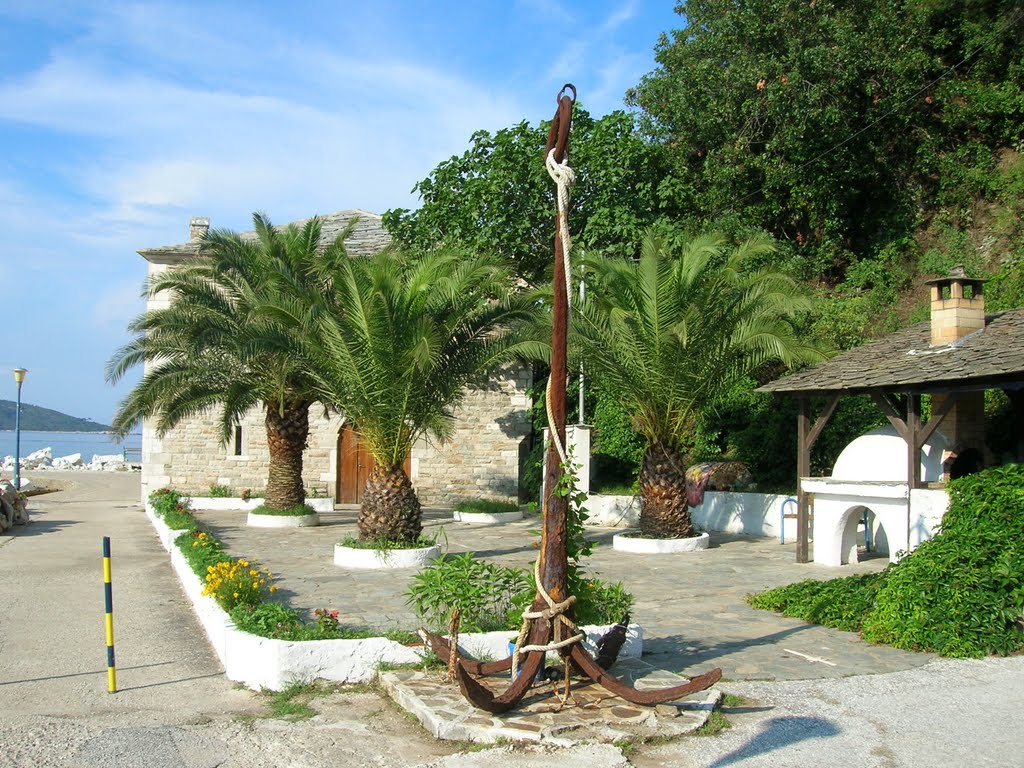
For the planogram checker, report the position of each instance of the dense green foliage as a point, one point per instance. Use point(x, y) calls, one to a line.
point(34, 418)
point(485, 506)
point(879, 143)
point(958, 594)
point(497, 197)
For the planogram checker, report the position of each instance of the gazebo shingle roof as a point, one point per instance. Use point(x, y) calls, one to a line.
point(368, 236)
point(906, 361)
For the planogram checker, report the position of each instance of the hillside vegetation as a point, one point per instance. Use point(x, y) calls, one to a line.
point(36, 419)
point(879, 143)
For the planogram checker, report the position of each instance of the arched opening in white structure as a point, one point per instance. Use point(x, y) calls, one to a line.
point(863, 534)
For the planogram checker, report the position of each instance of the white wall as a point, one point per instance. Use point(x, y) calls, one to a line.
point(751, 514)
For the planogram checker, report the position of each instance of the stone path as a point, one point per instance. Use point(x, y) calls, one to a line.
point(176, 710)
point(691, 607)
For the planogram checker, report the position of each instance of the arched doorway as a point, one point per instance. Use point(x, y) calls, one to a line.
point(354, 466)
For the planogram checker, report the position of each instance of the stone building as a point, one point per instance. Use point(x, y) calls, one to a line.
point(482, 459)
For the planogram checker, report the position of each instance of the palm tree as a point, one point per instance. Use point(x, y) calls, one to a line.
point(395, 350)
point(668, 335)
point(213, 348)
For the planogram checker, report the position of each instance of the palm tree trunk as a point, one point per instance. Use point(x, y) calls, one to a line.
point(665, 514)
point(286, 439)
point(390, 507)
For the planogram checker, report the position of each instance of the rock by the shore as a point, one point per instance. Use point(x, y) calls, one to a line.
point(12, 507)
point(43, 460)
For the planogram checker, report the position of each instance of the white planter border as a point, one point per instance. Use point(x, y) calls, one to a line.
point(264, 663)
point(220, 504)
point(378, 559)
point(282, 521)
point(625, 543)
point(489, 518)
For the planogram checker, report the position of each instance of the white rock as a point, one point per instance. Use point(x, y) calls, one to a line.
point(69, 461)
point(37, 459)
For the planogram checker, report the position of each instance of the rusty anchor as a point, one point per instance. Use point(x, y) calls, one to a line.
point(552, 601)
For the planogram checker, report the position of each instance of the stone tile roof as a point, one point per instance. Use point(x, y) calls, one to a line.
point(906, 361)
point(368, 237)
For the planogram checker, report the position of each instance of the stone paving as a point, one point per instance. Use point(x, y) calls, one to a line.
point(691, 607)
point(590, 715)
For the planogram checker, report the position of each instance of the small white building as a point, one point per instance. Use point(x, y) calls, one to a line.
point(482, 460)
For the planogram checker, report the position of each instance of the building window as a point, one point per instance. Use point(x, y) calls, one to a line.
point(238, 440)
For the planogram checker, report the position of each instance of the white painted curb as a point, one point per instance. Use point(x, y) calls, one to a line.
point(264, 663)
point(219, 504)
point(625, 543)
point(283, 521)
point(490, 518)
point(381, 559)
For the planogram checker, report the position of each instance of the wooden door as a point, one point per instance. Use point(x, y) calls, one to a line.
point(354, 466)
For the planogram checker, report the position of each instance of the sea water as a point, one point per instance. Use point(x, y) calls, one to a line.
point(66, 443)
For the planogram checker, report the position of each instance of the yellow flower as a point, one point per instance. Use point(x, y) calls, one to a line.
point(273, 589)
point(236, 594)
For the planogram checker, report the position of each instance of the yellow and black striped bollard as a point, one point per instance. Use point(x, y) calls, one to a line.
point(108, 599)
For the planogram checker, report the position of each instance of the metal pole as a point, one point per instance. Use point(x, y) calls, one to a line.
point(583, 295)
point(108, 600)
point(19, 377)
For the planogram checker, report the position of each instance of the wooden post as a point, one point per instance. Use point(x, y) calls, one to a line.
point(803, 469)
point(913, 441)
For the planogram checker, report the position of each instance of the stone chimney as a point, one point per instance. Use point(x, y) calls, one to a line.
point(958, 306)
point(198, 227)
point(958, 310)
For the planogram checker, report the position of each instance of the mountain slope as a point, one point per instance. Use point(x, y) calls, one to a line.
point(34, 418)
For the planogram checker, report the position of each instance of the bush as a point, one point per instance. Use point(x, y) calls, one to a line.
point(839, 603)
point(173, 508)
point(200, 550)
point(962, 593)
point(958, 594)
point(490, 597)
point(493, 597)
point(220, 492)
point(237, 582)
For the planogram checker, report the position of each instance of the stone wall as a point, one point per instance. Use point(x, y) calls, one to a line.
point(480, 461)
point(482, 458)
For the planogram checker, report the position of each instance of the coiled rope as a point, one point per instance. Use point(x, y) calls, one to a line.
point(564, 177)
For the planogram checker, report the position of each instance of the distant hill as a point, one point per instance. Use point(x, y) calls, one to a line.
point(36, 419)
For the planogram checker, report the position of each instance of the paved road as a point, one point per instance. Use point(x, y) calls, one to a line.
point(175, 709)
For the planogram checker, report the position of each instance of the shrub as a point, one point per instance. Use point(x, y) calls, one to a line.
point(840, 603)
point(962, 593)
point(598, 602)
point(490, 596)
point(270, 619)
point(220, 492)
point(237, 582)
point(200, 550)
point(958, 594)
point(173, 508)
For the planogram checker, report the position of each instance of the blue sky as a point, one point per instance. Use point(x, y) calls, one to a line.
point(120, 121)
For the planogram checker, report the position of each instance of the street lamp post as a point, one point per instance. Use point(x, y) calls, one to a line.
point(19, 377)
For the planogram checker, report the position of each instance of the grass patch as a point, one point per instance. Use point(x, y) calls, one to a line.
point(384, 544)
point(293, 702)
point(732, 700)
point(485, 507)
point(429, 662)
point(298, 510)
point(714, 725)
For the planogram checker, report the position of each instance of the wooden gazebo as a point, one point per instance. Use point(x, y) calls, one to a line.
point(953, 358)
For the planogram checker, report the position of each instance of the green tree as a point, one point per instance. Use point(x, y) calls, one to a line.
point(669, 335)
point(828, 123)
point(497, 197)
point(213, 347)
point(396, 350)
